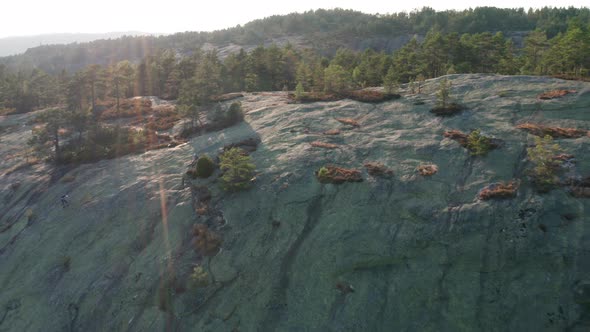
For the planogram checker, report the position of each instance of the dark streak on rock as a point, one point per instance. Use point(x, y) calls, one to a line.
point(278, 303)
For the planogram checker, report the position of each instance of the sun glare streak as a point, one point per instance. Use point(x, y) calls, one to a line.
point(168, 271)
point(164, 210)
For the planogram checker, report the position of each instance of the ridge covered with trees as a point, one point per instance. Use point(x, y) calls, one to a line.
point(323, 30)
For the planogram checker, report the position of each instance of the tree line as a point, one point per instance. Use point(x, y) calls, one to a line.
point(193, 79)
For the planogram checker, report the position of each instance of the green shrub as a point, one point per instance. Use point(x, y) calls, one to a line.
point(205, 167)
point(299, 92)
point(545, 165)
point(477, 144)
point(323, 173)
point(199, 277)
point(443, 94)
point(30, 214)
point(237, 168)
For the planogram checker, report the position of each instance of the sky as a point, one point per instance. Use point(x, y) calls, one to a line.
point(34, 17)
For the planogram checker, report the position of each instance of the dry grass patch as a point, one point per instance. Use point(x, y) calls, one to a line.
point(555, 132)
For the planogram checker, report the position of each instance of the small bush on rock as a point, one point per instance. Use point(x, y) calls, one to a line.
point(235, 113)
point(205, 166)
point(323, 174)
point(199, 277)
point(477, 144)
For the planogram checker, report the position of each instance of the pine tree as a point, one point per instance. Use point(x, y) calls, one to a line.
point(237, 168)
point(443, 94)
point(390, 82)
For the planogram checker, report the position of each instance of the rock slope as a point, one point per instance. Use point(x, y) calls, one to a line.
point(398, 253)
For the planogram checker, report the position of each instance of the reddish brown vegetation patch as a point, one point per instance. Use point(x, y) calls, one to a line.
point(337, 175)
point(555, 94)
point(318, 144)
point(201, 198)
point(498, 190)
point(349, 121)
point(163, 118)
point(205, 241)
point(127, 108)
point(427, 170)
point(156, 118)
point(456, 135)
point(378, 169)
point(332, 132)
point(555, 132)
point(564, 157)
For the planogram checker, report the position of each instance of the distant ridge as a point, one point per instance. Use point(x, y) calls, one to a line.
point(19, 44)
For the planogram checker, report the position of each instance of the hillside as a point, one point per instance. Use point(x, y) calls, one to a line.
point(390, 253)
point(325, 31)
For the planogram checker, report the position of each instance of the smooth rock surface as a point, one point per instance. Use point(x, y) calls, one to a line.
point(420, 253)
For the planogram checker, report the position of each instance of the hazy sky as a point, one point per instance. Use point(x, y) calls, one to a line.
point(31, 17)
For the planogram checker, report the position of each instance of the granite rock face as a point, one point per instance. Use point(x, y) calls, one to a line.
point(398, 253)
